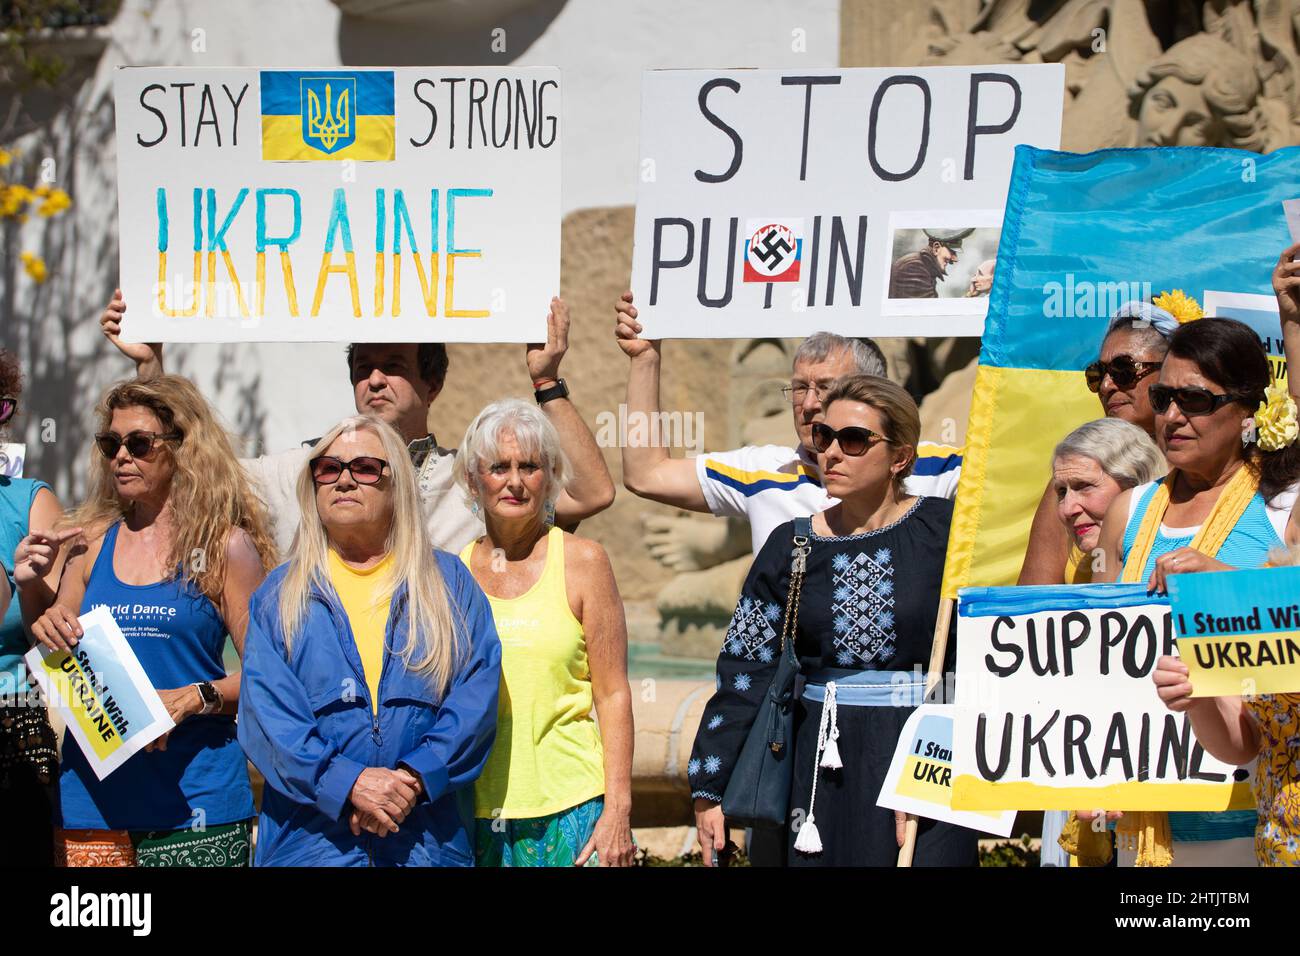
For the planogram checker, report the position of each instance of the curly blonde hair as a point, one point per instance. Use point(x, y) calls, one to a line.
point(210, 493)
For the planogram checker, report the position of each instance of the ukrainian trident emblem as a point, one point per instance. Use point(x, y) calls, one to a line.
point(329, 106)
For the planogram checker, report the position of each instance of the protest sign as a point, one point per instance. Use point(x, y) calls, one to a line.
point(920, 776)
point(1057, 710)
point(861, 201)
point(417, 204)
point(1260, 313)
point(1238, 631)
point(12, 457)
point(106, 700)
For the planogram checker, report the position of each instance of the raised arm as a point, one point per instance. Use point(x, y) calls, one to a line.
point(648, 470)
point(590, 577)
point(591, 489)
point(147, 357)
point(1112, 539)
point(1049, 544)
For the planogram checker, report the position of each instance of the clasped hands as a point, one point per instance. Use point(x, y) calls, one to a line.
point(381, 800)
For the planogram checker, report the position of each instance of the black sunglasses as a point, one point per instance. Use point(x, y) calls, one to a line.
point(138, 443)
point(1191, 401)
point(854, 440)
point(365, 470)
point(7, 408)
point(1124, 370)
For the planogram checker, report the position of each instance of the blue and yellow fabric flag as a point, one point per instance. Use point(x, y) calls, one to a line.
point(328, 114)
point(1082, 234)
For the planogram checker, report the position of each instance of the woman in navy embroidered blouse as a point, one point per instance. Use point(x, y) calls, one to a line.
point(867, 613)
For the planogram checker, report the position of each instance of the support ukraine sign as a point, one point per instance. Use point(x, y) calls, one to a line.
point(1083, 234)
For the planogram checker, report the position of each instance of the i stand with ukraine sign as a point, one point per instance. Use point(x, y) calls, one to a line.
point(1082, 234)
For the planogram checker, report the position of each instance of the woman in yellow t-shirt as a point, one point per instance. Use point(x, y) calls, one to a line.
point(557, 789)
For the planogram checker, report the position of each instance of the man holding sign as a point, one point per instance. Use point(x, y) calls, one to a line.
point(398, 382)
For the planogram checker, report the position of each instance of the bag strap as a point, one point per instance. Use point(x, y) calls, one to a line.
point(798, 565)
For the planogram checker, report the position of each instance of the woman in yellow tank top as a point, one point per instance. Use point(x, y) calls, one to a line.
point(557, 789)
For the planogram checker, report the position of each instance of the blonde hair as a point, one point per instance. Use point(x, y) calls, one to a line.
point(210, 493)
point(896, 407)
point(432, 648)
point(534, 434)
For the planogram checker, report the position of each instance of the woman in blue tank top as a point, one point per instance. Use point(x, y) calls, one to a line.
point(28, 759)
point(1228, 477)
point(175, 543)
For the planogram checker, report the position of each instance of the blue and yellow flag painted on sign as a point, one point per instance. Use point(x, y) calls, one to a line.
point(328, 114)
point(1081, 234)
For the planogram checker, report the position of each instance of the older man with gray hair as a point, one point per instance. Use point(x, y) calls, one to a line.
point(767, 485)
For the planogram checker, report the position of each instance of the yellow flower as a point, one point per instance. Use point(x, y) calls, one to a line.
point(35, 266)
point(1275, 420)
point(5, 157)
point(1182, 307)
point(56, 200)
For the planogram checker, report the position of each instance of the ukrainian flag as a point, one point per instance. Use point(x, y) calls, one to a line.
point(328, 114)
point(1185, 218)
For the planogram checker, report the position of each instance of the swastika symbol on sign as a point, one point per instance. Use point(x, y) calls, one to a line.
point(772, 249)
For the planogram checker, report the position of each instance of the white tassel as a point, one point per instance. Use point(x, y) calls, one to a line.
point(809, 840)
point(831, 756)
point(829, 732)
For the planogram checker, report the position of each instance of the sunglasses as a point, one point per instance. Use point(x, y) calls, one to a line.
point(138, 444)
point(7, 408)
point(854, 440)
point(326, 470)
point(1191, 401)
point(1123, 370)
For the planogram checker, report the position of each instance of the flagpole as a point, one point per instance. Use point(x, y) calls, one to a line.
point(938, 651)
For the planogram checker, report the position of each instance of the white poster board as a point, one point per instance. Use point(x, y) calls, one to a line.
point(411, 204)
point(778, 203)
point(920, 775)
point(1056, 708)
point(106, 700)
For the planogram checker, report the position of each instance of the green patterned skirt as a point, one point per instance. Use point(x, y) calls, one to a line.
point(554, 840)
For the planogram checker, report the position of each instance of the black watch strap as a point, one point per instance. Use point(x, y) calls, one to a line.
point(558, 390)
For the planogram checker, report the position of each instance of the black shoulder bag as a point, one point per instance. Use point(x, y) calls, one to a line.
point(758, 793)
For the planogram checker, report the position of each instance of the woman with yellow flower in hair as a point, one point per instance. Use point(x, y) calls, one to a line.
point(1228, 500)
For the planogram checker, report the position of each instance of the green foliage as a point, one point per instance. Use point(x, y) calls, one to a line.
point(1010, 853)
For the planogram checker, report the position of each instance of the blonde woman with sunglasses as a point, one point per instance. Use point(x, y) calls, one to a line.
point(174, 543)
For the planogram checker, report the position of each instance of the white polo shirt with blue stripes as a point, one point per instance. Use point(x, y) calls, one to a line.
point(771, 484)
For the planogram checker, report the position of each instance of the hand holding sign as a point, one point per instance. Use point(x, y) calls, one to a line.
point(1173, 684)
point(110, 323)
point(544, 360)
point(58, 629)
point(627, 330)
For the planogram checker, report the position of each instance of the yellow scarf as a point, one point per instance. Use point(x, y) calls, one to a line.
point(1146, 833)
point(1227, 511)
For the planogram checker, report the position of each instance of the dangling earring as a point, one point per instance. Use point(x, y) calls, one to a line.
point(550, 513)
point(473, 507)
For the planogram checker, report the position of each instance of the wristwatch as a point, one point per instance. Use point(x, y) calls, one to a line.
point(558, 390)
point(210, 695)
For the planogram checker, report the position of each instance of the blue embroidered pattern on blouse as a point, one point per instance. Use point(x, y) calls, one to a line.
point(862, 607)
point(751, 632)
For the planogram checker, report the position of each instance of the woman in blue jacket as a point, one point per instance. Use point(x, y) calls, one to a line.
point(371, 671)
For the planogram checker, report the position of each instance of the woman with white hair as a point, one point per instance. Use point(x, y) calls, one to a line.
point(370, 672)
point(1090, 467)
point(557, 789)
